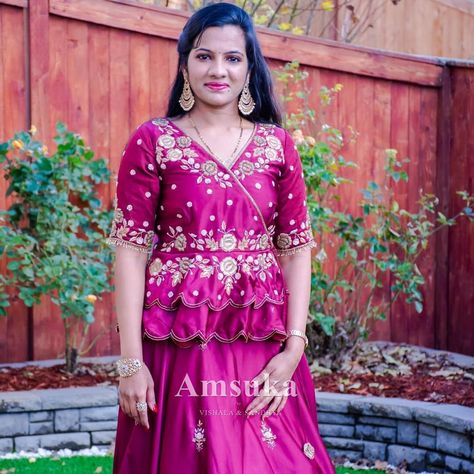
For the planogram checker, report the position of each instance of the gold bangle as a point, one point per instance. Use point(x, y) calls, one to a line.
point(296, 332)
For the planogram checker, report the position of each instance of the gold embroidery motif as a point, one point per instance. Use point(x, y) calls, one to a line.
point(309, 450)
point(228, 242)
point(208, 241)
point(268, 149)
point(199, 439)
point(246, 167)
point(209, 168)
point(267, 435)
point(297, 238)
point(294, 250)
point(228, 270)
point(122, 234)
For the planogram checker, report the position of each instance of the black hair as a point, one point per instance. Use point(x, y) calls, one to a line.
point(267, 109)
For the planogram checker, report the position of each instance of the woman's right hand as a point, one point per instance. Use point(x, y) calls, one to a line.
point(137, 388)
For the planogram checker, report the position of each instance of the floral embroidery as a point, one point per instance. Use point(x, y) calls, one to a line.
point(208, 172)
point(267, 435)
point(199, 438)
point(121, 228)
point(209, 241)
point(268, 149)
point(300, 237)
point(308, 449)
point(228, 270)
point(169, 148)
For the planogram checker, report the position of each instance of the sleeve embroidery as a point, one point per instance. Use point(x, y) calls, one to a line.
point(136, 195)
point(293, 232)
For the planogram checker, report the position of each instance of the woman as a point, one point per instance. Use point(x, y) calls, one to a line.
point(219, 299)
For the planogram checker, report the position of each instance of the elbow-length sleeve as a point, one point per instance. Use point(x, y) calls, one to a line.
point(136, 194)
point(293, 231)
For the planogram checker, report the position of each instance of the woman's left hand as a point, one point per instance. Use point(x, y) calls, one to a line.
point(275, 376)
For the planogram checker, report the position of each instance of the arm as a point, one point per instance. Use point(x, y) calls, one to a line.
point(297, 274)
point(293, 241)
point(132, 232)
point(129, 290)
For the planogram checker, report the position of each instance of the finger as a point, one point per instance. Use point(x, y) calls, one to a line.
point(126, 406)
point(282, 404)
point(273, 406)
point(264, 396)
point(143, 416)
point(260, 402)
point(151, 400)
point(133, 408)
point(260, 378)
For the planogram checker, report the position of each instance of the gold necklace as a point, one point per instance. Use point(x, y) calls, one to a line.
point(227, 161)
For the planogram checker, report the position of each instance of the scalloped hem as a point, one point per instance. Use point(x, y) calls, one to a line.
point(124, 243)
point(205, 340)
point(181, 297)
point(311, 244)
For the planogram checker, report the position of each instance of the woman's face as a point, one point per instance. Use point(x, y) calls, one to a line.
point(217, 67)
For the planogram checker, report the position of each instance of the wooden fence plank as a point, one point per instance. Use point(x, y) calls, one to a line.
point(315, 52)
point(460, 321)
point(399, 141)
point(14, 329)
point(381, 137)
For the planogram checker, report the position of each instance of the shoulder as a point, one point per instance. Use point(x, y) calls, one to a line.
point(277, 130)
point(150, 130)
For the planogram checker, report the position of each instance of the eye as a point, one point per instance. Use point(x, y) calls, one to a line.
point(237, 59)
point(200, 56)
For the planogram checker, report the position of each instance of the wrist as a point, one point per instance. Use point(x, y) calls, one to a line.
point(126, 367)
point(295, 345)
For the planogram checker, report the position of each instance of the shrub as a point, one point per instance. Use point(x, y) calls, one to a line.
point(53, 232)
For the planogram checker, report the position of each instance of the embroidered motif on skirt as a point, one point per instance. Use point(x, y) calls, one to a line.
point(199, 439)
point(267, 435)
point(309, 450)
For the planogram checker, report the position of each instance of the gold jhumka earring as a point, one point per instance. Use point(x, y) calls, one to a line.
point(187, 98)
point(246, 102)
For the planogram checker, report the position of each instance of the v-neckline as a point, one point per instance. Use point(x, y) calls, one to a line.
point(214, 157)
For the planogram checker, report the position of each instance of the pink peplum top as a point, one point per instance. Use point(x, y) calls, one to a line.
point(213, 233)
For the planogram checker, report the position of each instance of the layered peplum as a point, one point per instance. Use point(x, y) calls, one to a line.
point(215, 279)
point(213, 234)
point(186, 325)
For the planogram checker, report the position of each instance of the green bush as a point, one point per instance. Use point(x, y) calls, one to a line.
point(381, 242)
point(53, 232)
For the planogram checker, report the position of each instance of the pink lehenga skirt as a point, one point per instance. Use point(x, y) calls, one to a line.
point(201, 429)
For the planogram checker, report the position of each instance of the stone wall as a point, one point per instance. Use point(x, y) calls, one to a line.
point(429, 437)
point(73, 418)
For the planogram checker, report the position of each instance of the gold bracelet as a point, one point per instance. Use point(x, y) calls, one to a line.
point(296, 332)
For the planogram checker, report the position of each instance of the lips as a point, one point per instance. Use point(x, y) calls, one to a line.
point(216, 85)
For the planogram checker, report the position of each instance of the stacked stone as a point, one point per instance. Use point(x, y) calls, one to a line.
point(73, 418)
point(426, 436)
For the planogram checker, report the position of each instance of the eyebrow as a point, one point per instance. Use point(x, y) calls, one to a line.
point(236, 51)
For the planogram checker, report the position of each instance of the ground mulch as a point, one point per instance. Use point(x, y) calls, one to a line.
point(401, 371)
point(372, 369)
point(32, 377)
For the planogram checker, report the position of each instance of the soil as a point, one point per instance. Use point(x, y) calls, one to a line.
point(398, 370)
point(385, 371)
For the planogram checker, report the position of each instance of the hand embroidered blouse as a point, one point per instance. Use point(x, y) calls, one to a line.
point(212, 233)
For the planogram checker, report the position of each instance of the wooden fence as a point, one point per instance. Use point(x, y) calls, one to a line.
point(427, 27)
point(104, 66)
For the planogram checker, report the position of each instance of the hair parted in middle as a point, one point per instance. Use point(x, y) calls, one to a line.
point(267, 109)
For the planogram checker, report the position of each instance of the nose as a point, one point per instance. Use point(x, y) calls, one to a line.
point(217, 67)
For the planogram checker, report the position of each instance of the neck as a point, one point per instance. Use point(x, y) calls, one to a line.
point(215, 118)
